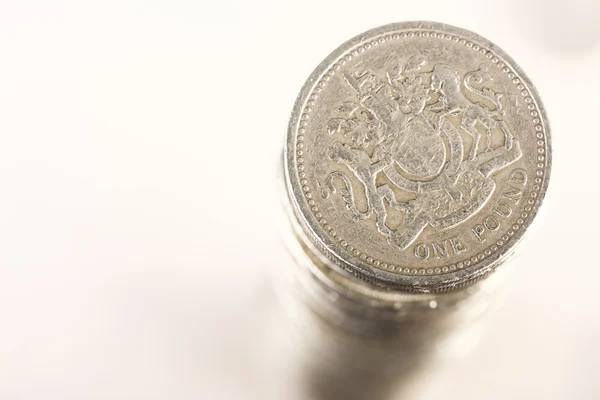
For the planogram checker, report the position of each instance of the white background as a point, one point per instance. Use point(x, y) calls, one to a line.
point(139, 145)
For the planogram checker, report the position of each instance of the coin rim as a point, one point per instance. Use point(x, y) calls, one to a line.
point(413, 283)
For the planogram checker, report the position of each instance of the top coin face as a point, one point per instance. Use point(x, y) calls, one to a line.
point(417, 156)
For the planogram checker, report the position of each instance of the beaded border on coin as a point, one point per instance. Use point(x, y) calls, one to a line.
point(367, 268)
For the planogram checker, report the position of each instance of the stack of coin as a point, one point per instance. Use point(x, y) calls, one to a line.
point(417, 156)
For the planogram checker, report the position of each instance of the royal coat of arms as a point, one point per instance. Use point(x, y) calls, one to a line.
point(410, 125)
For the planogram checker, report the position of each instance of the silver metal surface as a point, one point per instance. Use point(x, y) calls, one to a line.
point(417, 156)
point(341, 338)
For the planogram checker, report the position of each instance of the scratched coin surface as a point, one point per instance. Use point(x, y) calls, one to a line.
point(417, 156)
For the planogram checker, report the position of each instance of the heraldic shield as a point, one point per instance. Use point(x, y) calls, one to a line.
point(409, 127)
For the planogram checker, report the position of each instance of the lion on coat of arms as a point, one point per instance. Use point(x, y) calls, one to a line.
point(399, 126)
